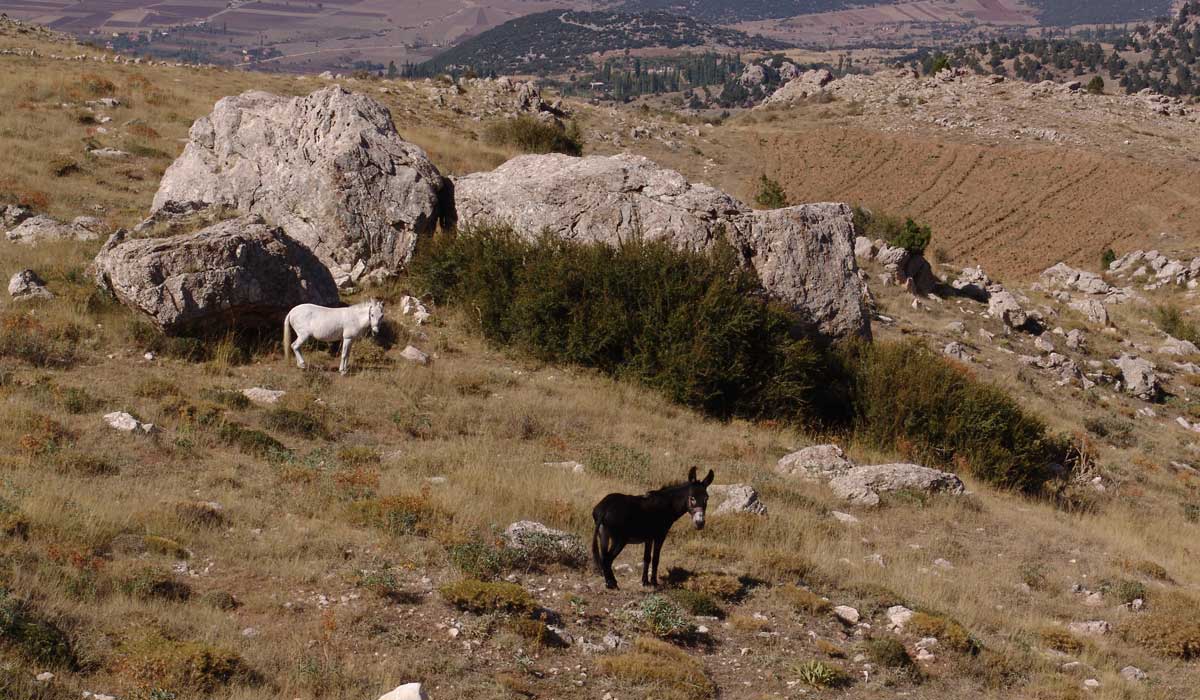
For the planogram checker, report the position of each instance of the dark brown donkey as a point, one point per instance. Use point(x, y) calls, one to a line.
point(622, 519)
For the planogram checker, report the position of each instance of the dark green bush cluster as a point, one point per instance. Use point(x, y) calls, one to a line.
point(34, 636)
point(770, 194)
point(689, 324)
point(532, 135)
point(906, 234)
point(696, 327)
point(907, 397)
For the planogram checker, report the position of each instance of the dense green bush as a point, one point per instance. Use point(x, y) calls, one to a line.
point(1095, 86)
point(906, 397)
point(533, 135)
point(906, 233)
point(770, 194)
point(692, 325)
point(697, 327)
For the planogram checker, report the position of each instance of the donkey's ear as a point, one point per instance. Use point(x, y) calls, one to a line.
point(708, 479)
point(692, 474)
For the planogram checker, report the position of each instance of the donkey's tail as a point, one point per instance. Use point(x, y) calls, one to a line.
point(596, 547)
point(287, 335)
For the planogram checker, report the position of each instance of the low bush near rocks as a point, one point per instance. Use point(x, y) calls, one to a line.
point(532, 135)
point(226, 397)
point(182, 666)
point(803, 600)
point(23, 627)
point(660, 616)
point(819, 674)
point(481, 597)
point(400, 515)
point(724, 586)
point(660, 670)
point(1059, 639)
point(1171, 626)
point(696, 602)
point(888, 652)
point(150, 582)
point(482, 560)
point(301, 423)
point(949, 633)
point(200, 514)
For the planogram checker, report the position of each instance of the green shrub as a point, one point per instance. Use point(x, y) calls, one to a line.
point(181, 665)
point(819, 674)
point(226, 397)
point(478, 596)
point(906, 233)
point(620, 463)
point(888, 652)
point(24, 338)
point(532, 135)
point(661, 616)
point(1059, 639)
point(482, 560)
point(1127, 591)
point(949, 633)
point(770, 194)
point(1170, 320)
point(1095, 86)
point(906, 396)
point(299, 423)
point(803, 600)
point(149, 582)
point(692, 325)
point(1108, 257)
point(31, 633)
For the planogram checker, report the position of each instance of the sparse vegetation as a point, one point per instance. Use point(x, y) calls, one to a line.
point(487, 596)
point(532, 135)
point(1171, 627)
point(661, 670)
point(770, 194)
point(820, 674)
point(949, 633)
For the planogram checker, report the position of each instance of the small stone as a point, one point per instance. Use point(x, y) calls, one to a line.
point(1091, 628)
point(249, 632)
point(119, 420)
point(898, 616)
point(44, 677)
point(26, 285)
point(1091, 684)
point(453, 632)
point(925, 655)
point(1133, 674)
point(408, 691)
point(846, 614)
point(1094, 600)
point(571, 466)
point(844, 517)
point(264, 396)
point(412, 354)
point(942, 564)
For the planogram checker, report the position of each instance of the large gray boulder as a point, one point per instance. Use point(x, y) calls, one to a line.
point(804, 255)
point(39, 228)
point(862, 485)
point(328, 168)
point(598, 198)
point(816, 462)
point(239, 272)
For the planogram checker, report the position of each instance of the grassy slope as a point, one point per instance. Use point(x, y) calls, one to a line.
point(291, 551)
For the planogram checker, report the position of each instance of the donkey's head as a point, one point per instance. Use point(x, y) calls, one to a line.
point(697, 497)
point(375, 315)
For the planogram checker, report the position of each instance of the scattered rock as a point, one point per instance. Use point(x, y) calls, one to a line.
point(1094, 309)
point(1092, 628)
point(14, 214)
point(120, 420)
point(413, 306)
point(864, 249)
point(957, 351)
point(801, 87)
point(898, 616)
point(974, 283)
point(1065, 277)
point(1004, 306)
point(844, 517)
point(238, 272)
point(737, 498)
point(817, 462)
point(263, 396)
point(1138, 377)
point(862, 485)
point(546, 543)
point(571, 466)
point(44, 677)
point(412, 354)
point(846, 614)
point(36, 229)
point(1043, 343)
point(26, 285)
point(1134, 674)
point(329, 168)
point(408, 691)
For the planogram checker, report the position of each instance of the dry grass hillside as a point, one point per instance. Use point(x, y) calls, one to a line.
point(345, 540)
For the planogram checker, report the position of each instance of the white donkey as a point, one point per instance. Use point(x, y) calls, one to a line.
point(323, 323)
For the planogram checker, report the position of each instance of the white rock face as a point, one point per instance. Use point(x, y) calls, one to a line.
point(119, 420)
point(1094, 309)
point(804, 255)
point(237, 272)
point(862, 485)
point(414, 355)
point(408, 691)
point(39, 228)
point(1138, 377)
point(1004, 306)
point(737, 498)
point(27, 285)
point(264, 396)
point(817, 462)
point(801, 87)
point(413, 306)
point(846, 614)
point(329, 168)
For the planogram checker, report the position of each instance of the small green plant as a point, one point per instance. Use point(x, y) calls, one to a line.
point(819, 674)
point(1095, 86)
point(888, 652)
point(150, 582)
point(662, 616)
point(1127, 591)
point(251, 442)
point(226, 397)
point(770, 194)
point(482, 560)
point(696, 603)
point(157, 662)
point(1107, 258)
point(481, 597)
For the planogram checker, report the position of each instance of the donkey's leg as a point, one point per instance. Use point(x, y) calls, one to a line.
point(646, 563)
point(345, 363)
point(612, 546)
point(296, 344)
point(658, 543)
